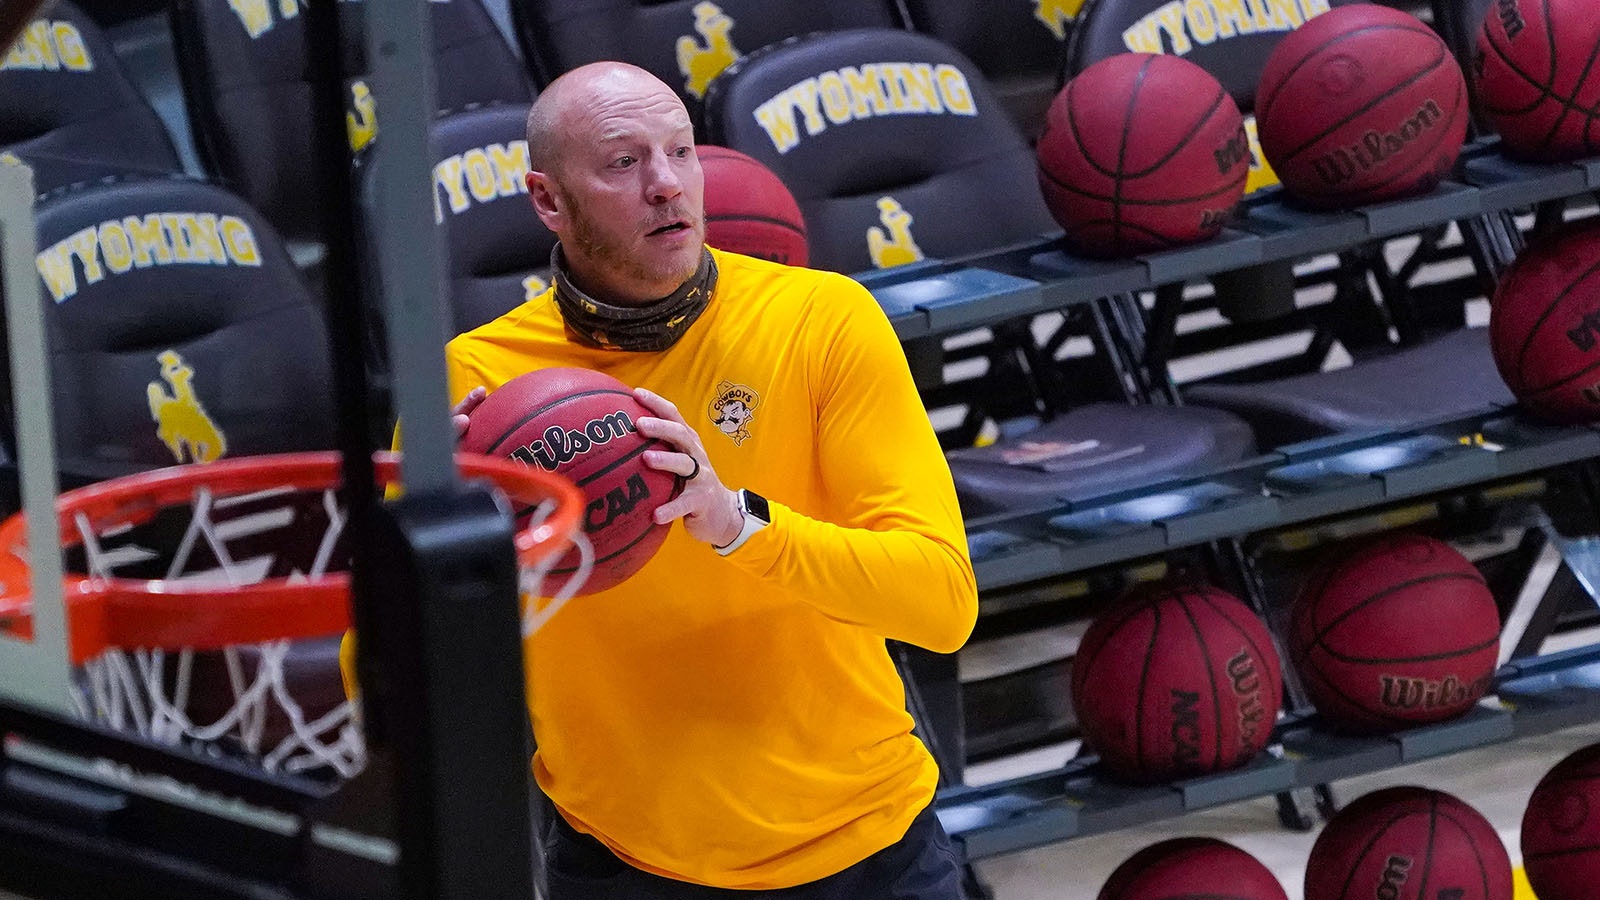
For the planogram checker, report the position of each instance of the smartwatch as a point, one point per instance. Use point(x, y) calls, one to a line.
point(757, 515)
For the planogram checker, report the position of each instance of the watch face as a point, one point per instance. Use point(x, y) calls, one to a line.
point(756, 505)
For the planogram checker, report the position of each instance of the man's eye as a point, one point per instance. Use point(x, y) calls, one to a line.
point(622, 162)
point(682, 152)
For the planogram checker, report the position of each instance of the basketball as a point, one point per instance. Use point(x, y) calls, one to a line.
point(1536, 80)
point(1361, 104)
point(749, 210)
point(580, 424)
point(1177, 680)
point(1544, 325)
point(1400, 631)
point(1561, 829)
point(1142, 152)
point(1408, 842)
point(1192, 868)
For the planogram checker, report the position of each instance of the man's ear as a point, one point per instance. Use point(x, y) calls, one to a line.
point(546, 204)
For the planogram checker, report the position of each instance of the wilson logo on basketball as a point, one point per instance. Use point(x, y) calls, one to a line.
point(560, 446)
point(1247, 687)
point(1583, 337)
point(1185, 728)
point(1394, 875)
point(1234, 152)
point(1345, 163)
point(1510, 17)
point(1398, 692)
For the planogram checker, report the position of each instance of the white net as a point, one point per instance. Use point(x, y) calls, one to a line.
point(241, 701)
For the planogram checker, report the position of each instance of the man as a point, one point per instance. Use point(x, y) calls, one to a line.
point(728, 720)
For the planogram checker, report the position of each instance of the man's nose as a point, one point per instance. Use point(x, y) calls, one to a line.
point(664, 183)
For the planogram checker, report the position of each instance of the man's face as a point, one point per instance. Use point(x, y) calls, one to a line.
point(628, 194)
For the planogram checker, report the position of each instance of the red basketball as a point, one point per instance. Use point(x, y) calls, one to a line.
point(1536, 78)
point(1178, 680)
point(1192, 868)
point(1408, 843)
point(1142, 152)
point(580, 424)
point(1561, 829)
point(749, 210)
point(1400, 631)
point(1544, 325)
point(1362, 103)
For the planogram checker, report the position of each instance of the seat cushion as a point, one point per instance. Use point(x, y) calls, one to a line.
point(1095, 450)
point(1449, 376)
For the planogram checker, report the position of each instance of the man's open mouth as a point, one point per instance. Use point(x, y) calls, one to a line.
point(668, 228)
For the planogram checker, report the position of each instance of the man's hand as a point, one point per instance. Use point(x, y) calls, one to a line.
point(709, 510)
point(460, 412)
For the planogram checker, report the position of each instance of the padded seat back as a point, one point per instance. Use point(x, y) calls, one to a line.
point(892, 143)
point(497, 251)
point(250, 83)
point(68, 109)
point(685, 43)
point(179, 330)
point(1459, 22)
point(1019, 47)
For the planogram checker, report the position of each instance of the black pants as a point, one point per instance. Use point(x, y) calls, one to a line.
point(920, 866)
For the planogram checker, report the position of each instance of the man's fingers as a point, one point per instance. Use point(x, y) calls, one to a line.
point(673, 509)
point(681, 464)
point(459, 420)
point(470, 401)
point(677, 434)
point(658, 404)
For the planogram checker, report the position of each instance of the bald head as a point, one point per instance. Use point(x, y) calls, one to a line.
point(613, 173)
point(551, 120)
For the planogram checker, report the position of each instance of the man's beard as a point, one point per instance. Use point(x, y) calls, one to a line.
point(588, 240)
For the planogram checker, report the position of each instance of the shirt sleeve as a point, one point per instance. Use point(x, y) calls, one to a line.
point(897, 563)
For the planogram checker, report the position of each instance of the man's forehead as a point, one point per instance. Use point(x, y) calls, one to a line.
point(628, 119)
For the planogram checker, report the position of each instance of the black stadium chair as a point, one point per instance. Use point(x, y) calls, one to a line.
point(68, 109)
point(685, 43)
point(1019, 47)
point(179, 330)
point(249, 82)
point(891, 141)
point(497, 251)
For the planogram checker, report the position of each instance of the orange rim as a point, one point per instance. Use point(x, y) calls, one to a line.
point(125, 612)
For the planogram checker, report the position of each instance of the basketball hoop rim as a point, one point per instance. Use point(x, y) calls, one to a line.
point(111, 611)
